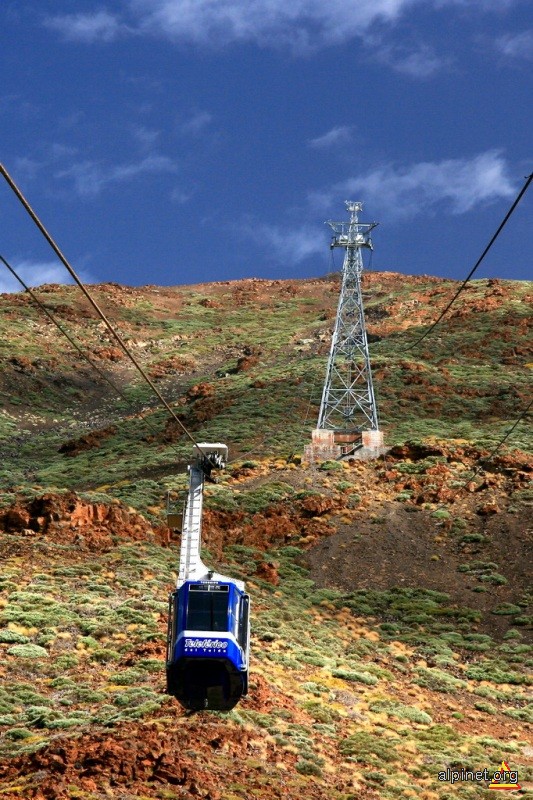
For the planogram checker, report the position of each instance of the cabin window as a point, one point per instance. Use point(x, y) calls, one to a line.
point(207, 610)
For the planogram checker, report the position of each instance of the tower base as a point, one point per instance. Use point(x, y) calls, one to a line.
point(372, 439)
point(322, 447)
point(327, 444)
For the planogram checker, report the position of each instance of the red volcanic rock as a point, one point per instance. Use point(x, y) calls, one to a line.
point(246, 363)
point(109, 353)
point(200, 390)
point(267, 571)
point(68, 519)
point(15, 519)
point(488, 509)
point(86, 442)
point(316, 505)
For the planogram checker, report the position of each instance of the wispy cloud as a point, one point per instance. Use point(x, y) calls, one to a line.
point(458, 185)
point(99, 26)
point(35, 273)
point(516, 46)
point(341, 134)
point(27, 168)
point(300, 24)
point(288, 245)
point(181, 196)
point(195, 123)
point(90, 177)
point(420, 62)
point(49, 156)
point(145, 137)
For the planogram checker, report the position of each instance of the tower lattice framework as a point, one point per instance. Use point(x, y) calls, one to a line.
point(348, 402)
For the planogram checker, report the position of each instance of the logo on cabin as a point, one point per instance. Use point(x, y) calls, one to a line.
point(206, 644)
point(505, 779)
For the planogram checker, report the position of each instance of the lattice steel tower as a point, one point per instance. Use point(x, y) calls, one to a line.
point(348, 403)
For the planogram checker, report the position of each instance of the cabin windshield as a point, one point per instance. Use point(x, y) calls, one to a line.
point(207, 610)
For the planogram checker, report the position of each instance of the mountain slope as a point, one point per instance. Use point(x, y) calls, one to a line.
point(391, 611)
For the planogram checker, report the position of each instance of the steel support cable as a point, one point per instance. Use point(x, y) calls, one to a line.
point(490, 456)
point(94, 304)
point(476, 265)
point(504, 439)
point(74, 344)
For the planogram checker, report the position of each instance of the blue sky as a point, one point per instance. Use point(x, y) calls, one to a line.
point(183, 141)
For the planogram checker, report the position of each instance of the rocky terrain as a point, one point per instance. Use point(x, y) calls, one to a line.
point(391, 598)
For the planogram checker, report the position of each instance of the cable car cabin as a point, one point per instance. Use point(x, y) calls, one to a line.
point(208, 644)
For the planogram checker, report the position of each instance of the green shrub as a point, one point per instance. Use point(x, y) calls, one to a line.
point(103, 655)
point(28, 651)
point(342, 486)
point(18, 733)
point(506, 609)
point(308, 767)
point(368, 748)
point(136, 696)
point(331, 466)
point(512, 633)
point(8, 719)
point(438, 681)
point(355, 677)
point(66, 661)
point(12, 637)
point(320, 712)
point(374, 777)
point(401, 711)
point(126, 678)
point(493, 671)
point(471, 538)
point(494, 578)
point(487, 708)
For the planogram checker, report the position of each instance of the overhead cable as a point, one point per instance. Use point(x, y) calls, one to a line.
point(478, 262)
point(91, 300)
point(482, 460)
point(504, 439)
point(74, 344)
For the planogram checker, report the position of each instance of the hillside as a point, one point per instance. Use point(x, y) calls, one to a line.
point(392, 605)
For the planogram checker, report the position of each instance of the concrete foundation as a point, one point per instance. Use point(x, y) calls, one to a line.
point(322, 447)
point(372, 439)
point(326, 445)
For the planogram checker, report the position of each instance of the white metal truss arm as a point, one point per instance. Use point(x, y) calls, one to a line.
point(191, 565)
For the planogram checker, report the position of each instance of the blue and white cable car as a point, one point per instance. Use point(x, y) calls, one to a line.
point(208, 644)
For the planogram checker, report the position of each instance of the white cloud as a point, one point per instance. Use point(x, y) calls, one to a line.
point(146, 137)
point(29, 168)
point(300, 24)
point(516, 46)
point(99, 26)
point(288, 245)
point(456, 185)
point(421, 62)
point(181, 196)
point(341, 134)
point(90, 178)
point(195, 123)
point(35, 273)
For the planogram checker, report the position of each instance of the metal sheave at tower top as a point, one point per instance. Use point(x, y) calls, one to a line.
point(348, 404)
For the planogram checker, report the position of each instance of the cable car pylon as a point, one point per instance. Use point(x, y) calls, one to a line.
point(208, 643)
point(348, 417)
